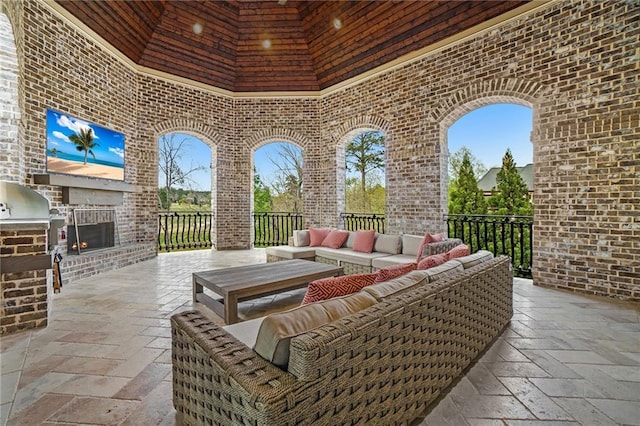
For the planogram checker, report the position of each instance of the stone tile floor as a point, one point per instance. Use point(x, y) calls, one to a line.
point(105, 357)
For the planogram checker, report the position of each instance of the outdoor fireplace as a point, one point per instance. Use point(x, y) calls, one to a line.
point(92, 229)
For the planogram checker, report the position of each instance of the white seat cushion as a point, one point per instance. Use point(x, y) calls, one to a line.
point(396, 259)
point(348, 255)
point(289, 252)
point(245, 331)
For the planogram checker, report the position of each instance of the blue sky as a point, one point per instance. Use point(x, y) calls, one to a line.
point(60, 126)
point(490, 130)
point(264, 166)
point(486, 131)
point(197, 154)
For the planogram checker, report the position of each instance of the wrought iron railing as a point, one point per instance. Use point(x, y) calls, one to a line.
point(360, 221)
point(275, 228)
point(184, 230)
point(508, 235)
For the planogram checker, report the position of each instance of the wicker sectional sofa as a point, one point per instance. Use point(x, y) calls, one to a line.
point(383, 364)
point(389, 249)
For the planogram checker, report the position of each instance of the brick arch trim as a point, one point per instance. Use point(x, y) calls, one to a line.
point(266, 136)
point(186, 125)
point(366, 121)
point(503, 90)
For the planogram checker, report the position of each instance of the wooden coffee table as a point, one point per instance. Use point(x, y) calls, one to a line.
point(252, 281)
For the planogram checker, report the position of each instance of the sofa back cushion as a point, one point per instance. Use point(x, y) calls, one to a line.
point(301, 238)
point(448, 268)
point(350, 239)
point(277, 330)
point(404, 282)
point(411, 244)
point(474, 259)
point(388, 243)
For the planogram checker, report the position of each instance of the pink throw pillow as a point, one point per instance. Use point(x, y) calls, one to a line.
point(433, 238)
point(335, 239)
point(458, 251)
point(364, 241)
point(391, 272)
point(428, 238)
point(317, 235)
point(431, 261)
point(327, 288)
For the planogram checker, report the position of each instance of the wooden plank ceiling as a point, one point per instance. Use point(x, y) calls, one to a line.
point(313, 44)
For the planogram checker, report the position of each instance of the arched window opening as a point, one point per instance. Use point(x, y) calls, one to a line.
point(277, 193)
point(278, 178)
point(490, 182)
point(184, 173)
point(365, 172)
point(490, 167)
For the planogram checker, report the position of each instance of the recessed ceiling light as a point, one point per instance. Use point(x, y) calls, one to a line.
point(197, 28)
point(337, 23)
point(266, 44)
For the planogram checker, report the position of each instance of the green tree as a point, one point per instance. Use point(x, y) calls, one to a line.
point(465, 196)
point(364, 155)
point(287, 180)
point(261, 194)
point(373, 199)
point(512, 194)
point(455, 161)
point(83, 141)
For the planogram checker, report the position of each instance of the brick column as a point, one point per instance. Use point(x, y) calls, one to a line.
point(23, 277)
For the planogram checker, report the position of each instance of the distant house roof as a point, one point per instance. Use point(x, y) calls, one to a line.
point(488, 181)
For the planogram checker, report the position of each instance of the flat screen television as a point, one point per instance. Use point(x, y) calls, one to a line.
point(78, 147)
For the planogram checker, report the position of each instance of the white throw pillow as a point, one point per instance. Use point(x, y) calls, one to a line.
point(301, 238)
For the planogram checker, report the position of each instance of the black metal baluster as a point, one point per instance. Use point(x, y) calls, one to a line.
point(495, 239)
point(172, 220)
point(198, 242)
point(521, 229)
point(512, 242)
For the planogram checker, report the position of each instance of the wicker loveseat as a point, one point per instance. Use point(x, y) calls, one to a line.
point(382, 365)
point(389, 249)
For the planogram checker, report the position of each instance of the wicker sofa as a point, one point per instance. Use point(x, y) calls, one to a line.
point(382, 365)
point(389, 249)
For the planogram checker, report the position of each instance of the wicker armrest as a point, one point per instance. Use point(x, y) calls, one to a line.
point(217, 378)
point(440, 247)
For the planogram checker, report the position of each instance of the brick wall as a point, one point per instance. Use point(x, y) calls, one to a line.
point(10, 148)
point(63, 70)
point(573, 62)
point(23, 302)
